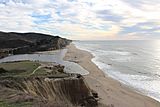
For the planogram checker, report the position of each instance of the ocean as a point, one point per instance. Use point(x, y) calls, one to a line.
point(135, 63)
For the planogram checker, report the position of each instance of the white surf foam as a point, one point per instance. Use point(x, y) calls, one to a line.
point(144, 84)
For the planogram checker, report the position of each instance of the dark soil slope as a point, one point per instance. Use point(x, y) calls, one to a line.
point(21, 43)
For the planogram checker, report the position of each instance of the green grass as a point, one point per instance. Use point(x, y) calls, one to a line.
point(22, 68)
point(41, 71)
point(26, 68)
point(21, 104)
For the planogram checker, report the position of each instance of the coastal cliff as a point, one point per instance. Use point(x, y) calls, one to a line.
point(47, 87)
point(22, 43)
point(66, 92)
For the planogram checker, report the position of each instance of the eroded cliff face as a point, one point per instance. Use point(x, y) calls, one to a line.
point(55, 92)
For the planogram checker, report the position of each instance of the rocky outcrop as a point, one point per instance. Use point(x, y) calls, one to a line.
point(21, 43)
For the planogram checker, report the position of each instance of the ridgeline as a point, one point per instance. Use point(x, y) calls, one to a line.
point(22, 43)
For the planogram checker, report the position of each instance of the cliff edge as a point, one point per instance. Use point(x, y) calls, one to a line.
point(33, 84)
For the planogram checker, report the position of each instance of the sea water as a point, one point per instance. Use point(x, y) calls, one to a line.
point(134, 63)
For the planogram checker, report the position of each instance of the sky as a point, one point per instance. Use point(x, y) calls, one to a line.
point(83, 19)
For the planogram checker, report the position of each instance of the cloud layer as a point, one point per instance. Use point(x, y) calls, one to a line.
point(83, 19)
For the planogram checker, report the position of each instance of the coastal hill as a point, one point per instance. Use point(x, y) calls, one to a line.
point(39, 84)
point(20, 43)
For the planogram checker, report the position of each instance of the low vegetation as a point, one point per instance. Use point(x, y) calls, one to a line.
point(35, 84)
point(21, 68)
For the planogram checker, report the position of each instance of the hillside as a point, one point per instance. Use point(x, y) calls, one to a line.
point(21, 43)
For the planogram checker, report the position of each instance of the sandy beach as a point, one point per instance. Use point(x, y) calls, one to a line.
point(111, 92)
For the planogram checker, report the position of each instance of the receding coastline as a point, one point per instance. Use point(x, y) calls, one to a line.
point(110, 91)
point(96, 86)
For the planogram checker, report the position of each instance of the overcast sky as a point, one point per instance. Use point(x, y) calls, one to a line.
point(83, 19)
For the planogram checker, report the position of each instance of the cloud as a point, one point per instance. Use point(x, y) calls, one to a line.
point(108, 16)
point(83, 19)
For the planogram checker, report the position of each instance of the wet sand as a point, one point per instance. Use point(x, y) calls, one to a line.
point(111, 92)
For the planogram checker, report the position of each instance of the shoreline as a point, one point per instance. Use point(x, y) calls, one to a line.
point(111, 92)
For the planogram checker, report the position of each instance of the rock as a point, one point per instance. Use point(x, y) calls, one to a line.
point(91, 102)
point(79, 75)
point(95, 94)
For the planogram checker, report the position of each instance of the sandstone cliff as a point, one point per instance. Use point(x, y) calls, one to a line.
point(47, 87)
point(62, 92)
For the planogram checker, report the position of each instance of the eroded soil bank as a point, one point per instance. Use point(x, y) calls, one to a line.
point(48, 86)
